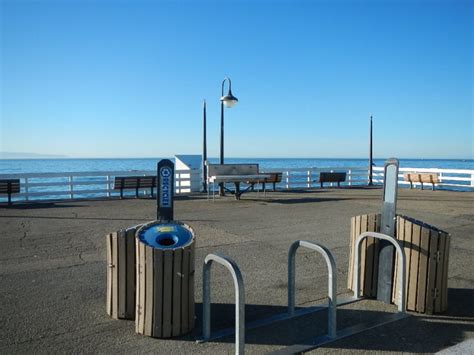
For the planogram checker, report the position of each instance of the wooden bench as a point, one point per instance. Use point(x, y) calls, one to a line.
point(422, 178)
point(9, 186)
point(134, 182)
point(273, 179)
point(332, 177)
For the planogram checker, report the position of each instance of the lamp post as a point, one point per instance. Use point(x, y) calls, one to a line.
point(204, 148)
point(370, 153)
point(229, 100)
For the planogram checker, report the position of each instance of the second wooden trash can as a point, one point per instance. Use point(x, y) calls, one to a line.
point(165, 279)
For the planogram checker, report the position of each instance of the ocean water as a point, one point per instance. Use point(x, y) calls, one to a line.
point(18, 166)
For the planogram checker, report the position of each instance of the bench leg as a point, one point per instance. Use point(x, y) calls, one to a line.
point(338, 184)
point(9, 199)
point(274, 186)
point(121, 193)
point(321, 185)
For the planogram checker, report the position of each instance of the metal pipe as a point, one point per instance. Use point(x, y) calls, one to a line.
point(332, 281)
point(239, 299)
point(371, 161)
point(401, 265)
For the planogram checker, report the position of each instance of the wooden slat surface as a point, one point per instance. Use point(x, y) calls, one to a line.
point(130, 293)
point(167, 292)
point(158, 294)
point(138, 288)
point(440, 271)
point(191, 286)
point(413, 274)
point(114, 275)
point(149, 300)
point(369, 259)
point(122, 273)
point(143, 310)
point(363, 250)
point(444, 286)
point(177, 273)
point(109, 274)
point(185, 293)
point(350, 274)
point(431, 272)
point(423, 269)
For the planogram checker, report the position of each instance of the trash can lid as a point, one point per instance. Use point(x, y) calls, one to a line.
point(165, 235)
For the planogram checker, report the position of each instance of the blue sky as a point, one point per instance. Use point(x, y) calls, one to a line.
point(127, 78)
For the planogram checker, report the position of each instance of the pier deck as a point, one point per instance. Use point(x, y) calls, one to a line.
point(53, 271)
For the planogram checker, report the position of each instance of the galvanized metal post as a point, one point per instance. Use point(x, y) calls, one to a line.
point(389, 208)
point(239, 299)
point(332, 281)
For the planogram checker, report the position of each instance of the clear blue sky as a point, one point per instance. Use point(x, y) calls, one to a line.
point(127, 78)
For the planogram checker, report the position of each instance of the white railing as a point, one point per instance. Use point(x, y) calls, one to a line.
point(76, 185)
point(450, 178)
point(309, 177)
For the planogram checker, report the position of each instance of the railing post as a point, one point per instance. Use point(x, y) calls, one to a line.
point(239, 299)
point(472, 179)
point(108, 185)
point(71, 192)
point(350, 177)
point(287, 179)
point(332, 281)
point(309, 179)
point(27, 189)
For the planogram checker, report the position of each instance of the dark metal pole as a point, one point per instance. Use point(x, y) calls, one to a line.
point(221, 160)
point(204, 149)
point(371, 162)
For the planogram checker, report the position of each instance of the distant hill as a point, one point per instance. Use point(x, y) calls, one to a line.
point(15, 155)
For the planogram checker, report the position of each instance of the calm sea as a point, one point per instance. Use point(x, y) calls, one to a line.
point(17, 166)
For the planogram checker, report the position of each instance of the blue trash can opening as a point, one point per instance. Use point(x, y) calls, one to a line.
point(165, 235)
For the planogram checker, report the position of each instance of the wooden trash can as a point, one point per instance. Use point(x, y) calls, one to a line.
point(369, 251)
point(165, 279)
point(427, 257)
point(121, 273)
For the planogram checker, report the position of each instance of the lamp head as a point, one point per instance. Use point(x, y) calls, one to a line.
point(229, 100)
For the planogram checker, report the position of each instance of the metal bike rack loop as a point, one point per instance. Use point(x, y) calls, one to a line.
point(332, 281)
point(239, 299)
point(401, 265)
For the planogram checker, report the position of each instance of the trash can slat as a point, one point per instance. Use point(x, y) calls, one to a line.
point(149, 300)
point(177, 273)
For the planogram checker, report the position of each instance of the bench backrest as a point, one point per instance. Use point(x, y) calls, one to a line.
point(274, 177)
point(430, 178)
point(9, 186)
point(231, 169)
point(133, 182)
point(332, 177)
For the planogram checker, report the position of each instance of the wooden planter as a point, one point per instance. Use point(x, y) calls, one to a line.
point(427, 255)
point(165, 290)
point(121, 273)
